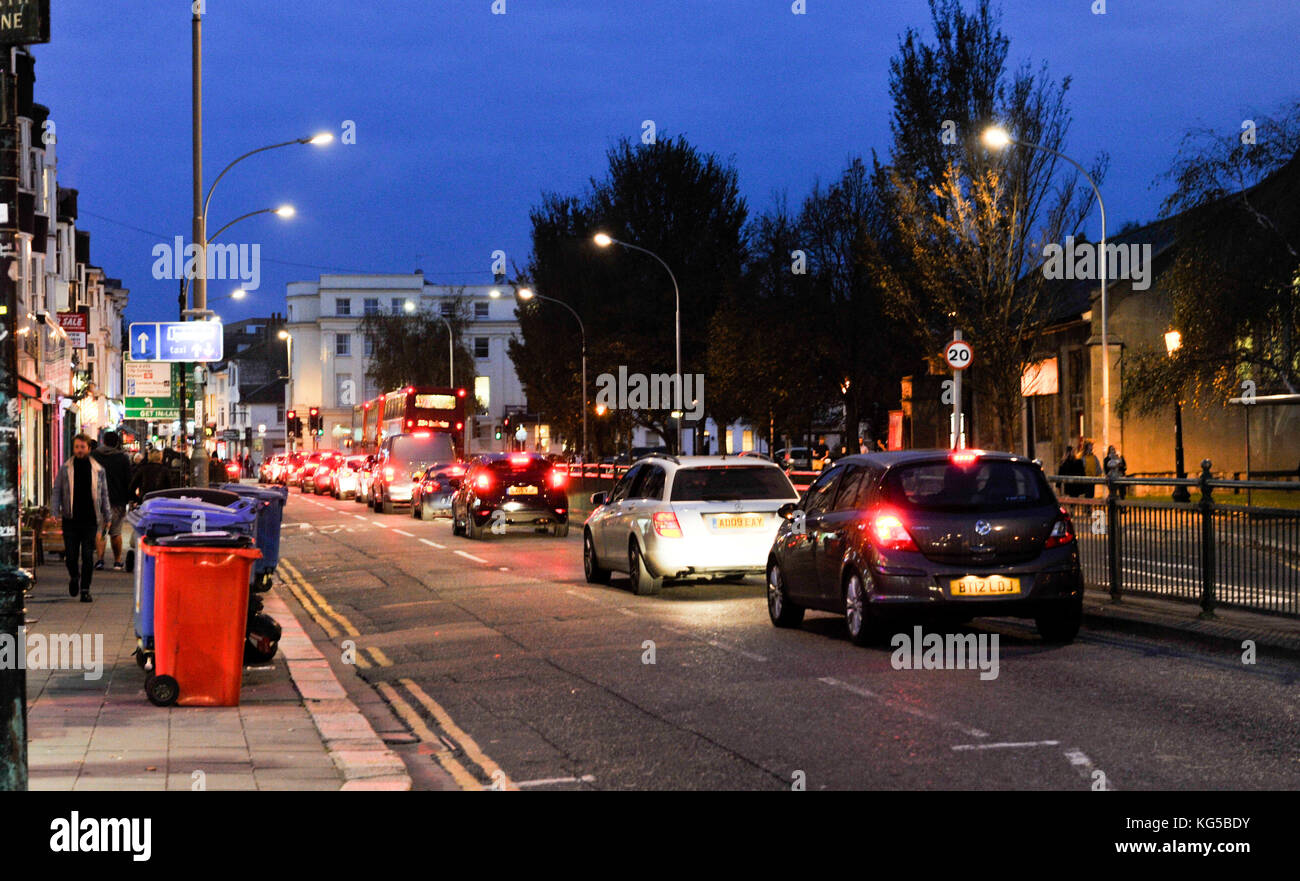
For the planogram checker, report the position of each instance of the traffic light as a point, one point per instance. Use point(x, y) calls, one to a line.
point(293, 423)
point(316, 424)
point(498, 433)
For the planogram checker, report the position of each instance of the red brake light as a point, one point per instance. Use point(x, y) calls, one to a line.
point(962, 458)
point(890, 534)
point(424, 434)
point(483, 481)
point(456, 470)
point(460, 392)
point(1062, 531)
point(460, 425)
point(519, 460)
point(558, 479)
point(410, 389)
point(666, 524)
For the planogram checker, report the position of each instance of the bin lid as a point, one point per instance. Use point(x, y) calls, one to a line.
point(267, 493)
point(214, 539)
point(194, 493)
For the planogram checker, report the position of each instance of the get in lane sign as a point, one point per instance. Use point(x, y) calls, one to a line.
point(176, 341)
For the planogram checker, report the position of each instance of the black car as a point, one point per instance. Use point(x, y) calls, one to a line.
point(436, 484)
point(501, 490)
point(956, 534)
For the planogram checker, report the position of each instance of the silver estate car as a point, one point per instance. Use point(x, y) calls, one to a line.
point(688, 518)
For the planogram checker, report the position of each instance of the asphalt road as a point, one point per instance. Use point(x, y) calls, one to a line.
point(511, 671)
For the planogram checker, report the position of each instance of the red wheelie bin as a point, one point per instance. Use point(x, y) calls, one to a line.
point(200, 617)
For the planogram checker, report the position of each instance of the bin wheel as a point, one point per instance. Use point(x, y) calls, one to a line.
point(141, 657)
point(162, 690)
point(254, 657)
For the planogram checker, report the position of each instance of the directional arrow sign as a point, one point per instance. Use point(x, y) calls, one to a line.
point(176, 341)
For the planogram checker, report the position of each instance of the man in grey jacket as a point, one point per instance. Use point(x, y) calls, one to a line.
point(80, 498)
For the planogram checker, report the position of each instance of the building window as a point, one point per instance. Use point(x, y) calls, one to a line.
point(481, 310)
point(279, 414)
point(342, 306)
point(343, 344)
point(448, 309)
point(371, 306)
point(481, 347)
point(396, 305)
point(369, 345)
point(483, 391)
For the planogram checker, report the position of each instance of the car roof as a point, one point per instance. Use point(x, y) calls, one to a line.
point(906, 457)
point(698, 461)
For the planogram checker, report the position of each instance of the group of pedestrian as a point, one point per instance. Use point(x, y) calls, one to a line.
point(1081, 461)
point(91, 492)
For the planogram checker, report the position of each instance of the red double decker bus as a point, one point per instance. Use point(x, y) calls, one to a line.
point(417, 409)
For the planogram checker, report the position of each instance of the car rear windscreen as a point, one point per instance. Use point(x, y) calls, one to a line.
point(532, 469)
point(731, 484)
point(985, 485)
point(409, 449)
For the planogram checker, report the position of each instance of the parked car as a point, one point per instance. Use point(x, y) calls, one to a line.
point(685, 519)
point(401, 456)
point(794, 458)
point(881, 537)
point(431, 495)
point(503, 490)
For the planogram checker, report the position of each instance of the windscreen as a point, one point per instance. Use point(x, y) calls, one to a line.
point(986, 484)
point(731, 484)
point(532, 469)
point(410, 449)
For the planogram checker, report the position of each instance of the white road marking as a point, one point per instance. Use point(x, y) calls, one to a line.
point(862, 692)
point(471, 557)
point(1085, 767)
point(718, 644)
point(380, 525)
point(552, 781)
point(358, 516)
point(400, 532)
point(971, 746)
point(434, 544)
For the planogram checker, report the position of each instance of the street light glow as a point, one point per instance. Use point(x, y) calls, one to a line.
point(525, 293)
point(1173, 341)
point(286, 211)
point(996, 138)
point(603, 240)
point(409, 306)
point(321, 139)
point(494, 294)
point(284, 334)
point(238, 294)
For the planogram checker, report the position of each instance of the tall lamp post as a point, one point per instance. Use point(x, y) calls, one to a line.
point(409, 305)
point(288, 389)
point(996, 138)
point(530, 294)
point(604, 241)
point(1174, 342)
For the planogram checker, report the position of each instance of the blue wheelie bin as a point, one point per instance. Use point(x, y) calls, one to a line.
point(269, 518)
point(160, 517)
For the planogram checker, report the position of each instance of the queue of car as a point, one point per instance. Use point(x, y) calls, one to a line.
point(877, 537)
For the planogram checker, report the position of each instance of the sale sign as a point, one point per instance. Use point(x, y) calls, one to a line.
point(76, 325)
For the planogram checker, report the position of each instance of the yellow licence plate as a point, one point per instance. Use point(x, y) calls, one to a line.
point(984, 586)
point(738, 521)
point(521, 490)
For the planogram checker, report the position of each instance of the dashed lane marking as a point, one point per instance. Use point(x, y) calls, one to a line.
point(894, 705)
point(965, 747)
point(400, 532)
point(433, 544)
point(468, 556)
point(555, 781)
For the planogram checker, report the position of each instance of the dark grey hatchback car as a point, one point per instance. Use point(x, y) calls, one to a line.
point(955, 534)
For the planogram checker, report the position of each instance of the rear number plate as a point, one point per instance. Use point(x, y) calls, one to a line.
point(984, 586)
point(737, 521)
point(521, 490)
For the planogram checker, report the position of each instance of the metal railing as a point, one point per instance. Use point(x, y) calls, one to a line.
point(1201, 551)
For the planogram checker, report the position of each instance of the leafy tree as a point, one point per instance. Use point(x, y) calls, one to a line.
point(1234, 279)
point(970, 225)
point(410, 348)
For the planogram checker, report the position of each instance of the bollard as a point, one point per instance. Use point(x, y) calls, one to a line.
point(1112, 540)
point(1206, 506)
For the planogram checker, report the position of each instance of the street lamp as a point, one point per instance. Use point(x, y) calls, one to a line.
point(1174, 342)
point(529, 294)
point(288, 389)
point(409, 306)
point(997, 138)
point(604, 240)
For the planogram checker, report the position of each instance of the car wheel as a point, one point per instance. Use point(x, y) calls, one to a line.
point(779, 608)
point(416, 507)
point(1061, 627)
point(560, 530)
point(472, 529)
point(643, 583)
point(387, 505)
point(596, 574)
point(455, 524)
point(857, 612)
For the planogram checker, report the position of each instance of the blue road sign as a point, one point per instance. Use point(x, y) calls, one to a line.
point(176, 341)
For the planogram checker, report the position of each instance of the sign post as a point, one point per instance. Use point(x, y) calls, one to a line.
point(959, 356)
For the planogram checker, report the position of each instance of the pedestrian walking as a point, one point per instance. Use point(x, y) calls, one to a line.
point(1091, 467)
point(117, 474)
point(1116, 468)
point(151, 476)
point(1071, 466)
point(80, 499)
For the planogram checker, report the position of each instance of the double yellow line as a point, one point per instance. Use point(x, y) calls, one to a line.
point(336, 624)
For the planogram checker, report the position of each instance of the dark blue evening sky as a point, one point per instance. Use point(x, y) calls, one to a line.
point(464, 117)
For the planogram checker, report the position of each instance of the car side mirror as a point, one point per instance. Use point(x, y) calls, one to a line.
point(787, 510)
point(598, 499)
point(454, 482)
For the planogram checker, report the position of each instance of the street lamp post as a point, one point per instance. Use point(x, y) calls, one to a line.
point(451, 344)
point(1174, 342)
point(529, 294)
point(288, 389)
point(996, 138)
point(604, 240)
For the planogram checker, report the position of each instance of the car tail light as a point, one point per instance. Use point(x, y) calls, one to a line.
point(558, 479)
point(517, 461)
point(962, 458)
point(666, 524)
point(890, 534)
point(483, 481)
point(456, 470)
point(1062, 531)
point(388, 475)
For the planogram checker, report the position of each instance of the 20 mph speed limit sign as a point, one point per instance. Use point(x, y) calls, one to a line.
point(959, 355)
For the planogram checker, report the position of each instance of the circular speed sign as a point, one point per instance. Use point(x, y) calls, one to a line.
point(959, 354)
